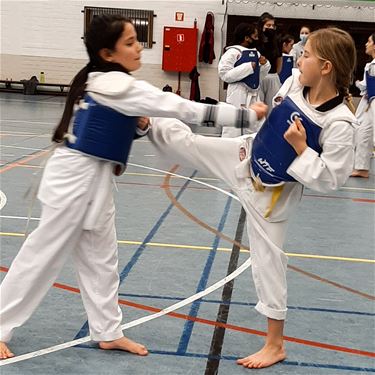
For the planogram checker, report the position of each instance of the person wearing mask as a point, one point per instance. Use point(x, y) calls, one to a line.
point(297, 49)
point(269, 47)
point(242, 67)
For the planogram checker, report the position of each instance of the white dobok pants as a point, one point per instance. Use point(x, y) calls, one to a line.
point(364, 140)
point(78, 219)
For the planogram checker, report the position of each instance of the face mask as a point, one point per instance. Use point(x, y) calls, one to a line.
point(303, 38)
point(269, 33)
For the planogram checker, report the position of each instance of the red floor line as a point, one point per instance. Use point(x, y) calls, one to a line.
point(362, 200)
point(226, 326)
point(22, 161)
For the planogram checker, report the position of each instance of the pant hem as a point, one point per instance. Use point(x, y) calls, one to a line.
point(109, 336)
point(271, 313)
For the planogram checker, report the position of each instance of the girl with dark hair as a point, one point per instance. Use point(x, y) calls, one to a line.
point(306, 141)
point(269, 47)
point(286, 43)
point(78, 213)
point(242, 67)
point(365, 113)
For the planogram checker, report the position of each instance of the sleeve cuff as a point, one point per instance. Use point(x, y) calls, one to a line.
point(298, 166)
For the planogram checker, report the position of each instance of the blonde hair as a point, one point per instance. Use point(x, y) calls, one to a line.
point(337, 46)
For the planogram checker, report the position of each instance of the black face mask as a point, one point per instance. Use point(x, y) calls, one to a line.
point(269, 33)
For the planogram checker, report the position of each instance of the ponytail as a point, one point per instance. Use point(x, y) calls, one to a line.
point(76, 91)
point(349, 100)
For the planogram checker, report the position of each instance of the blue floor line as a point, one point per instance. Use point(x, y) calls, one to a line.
point(233, 358)
point(188, 326)
point(314, 309)
point(84, 331)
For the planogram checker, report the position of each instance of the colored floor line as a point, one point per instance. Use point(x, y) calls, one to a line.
point(196, 247)
point(213, 360)
point(227, 326)
point(194, 309)
point(233, 359)
point(249, 304)
point(223, 236)
point(22, 161)
point(283, 363)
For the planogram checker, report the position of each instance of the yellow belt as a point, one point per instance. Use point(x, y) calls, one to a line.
point(276, 193)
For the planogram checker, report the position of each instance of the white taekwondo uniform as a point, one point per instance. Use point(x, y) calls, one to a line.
point(365, 135)
point(322, 172)
point(239, 93)
point(78, 213)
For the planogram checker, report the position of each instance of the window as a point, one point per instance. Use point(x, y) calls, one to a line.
point(143, 21)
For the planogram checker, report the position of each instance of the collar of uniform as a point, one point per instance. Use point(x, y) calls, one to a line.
point(328, 105)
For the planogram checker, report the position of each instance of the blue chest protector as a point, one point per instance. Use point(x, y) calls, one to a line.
point(252, 80)
point(370, 86)
point(103, 132)
point(286, 70)
point(271, 154)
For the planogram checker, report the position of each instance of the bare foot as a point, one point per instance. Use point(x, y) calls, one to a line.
point(124, 344)
point(4, 351)
point(267, 356)
point(364, 173)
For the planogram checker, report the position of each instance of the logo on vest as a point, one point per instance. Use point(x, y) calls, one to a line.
point(265, 164)
point(293, 117)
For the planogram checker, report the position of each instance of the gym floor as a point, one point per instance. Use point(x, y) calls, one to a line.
point(176, 234)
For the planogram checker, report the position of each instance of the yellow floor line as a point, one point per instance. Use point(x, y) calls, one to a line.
point(225, 249)
point(163, 175)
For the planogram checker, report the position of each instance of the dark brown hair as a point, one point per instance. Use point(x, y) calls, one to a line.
point(104, 31)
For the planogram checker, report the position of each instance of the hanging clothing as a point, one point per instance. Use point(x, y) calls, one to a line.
point(206, 47)
point(195, 92)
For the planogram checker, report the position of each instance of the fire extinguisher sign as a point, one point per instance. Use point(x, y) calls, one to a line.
point(180, 38)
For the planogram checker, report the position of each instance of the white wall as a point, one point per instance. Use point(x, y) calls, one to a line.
point(45, 35)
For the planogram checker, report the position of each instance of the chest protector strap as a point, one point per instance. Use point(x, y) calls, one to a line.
point(271, 154)
point(251, 55)
point(102, 132)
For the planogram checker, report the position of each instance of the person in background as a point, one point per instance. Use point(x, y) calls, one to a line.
point(365, 113)
point(76, 190)
point(269, 47)
point(297, 49)
point(307, 141)
point(242, 68)
point(286, 43)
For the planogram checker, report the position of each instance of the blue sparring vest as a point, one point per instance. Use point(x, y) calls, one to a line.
point(370, 86)
point(103, 132)
point(271, 154)
point(251, 55)
point(286, 70)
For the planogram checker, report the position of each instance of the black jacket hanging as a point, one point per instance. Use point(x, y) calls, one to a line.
point(195, 92)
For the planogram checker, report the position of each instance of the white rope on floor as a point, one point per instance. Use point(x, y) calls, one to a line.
point(147, 318)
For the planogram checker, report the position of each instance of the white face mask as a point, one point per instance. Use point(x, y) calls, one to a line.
point(303, 38)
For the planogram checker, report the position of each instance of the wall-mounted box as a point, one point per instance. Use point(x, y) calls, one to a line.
point(179, 49)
